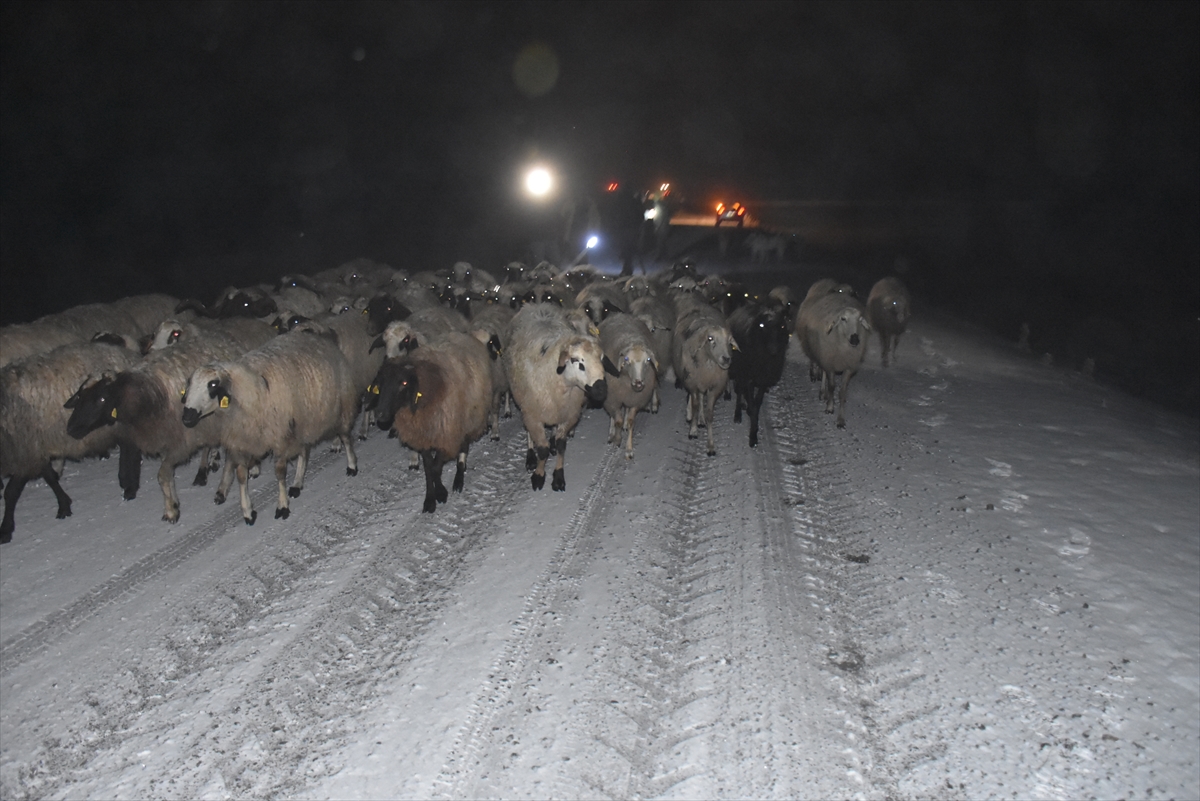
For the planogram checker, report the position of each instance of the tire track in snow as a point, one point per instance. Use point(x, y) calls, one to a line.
point(126, 584)
point(475, 744)
point(377, 582)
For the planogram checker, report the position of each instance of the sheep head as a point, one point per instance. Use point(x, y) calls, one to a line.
point(92, 406)
point(581, 364)
point(206, 393)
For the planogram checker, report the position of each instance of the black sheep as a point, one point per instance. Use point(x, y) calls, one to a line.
point(761, 333)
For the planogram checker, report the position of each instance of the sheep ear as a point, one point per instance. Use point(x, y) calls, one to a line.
point(609, 367)
point(378, 343)
point(493, 346)
point(562, 360)
point(829, 330)
point(866, 325)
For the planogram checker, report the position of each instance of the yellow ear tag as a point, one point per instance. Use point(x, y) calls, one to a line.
point(373, 389)
point(224, 401)
point(418, 396)
point(114, 414)
point(183, 392)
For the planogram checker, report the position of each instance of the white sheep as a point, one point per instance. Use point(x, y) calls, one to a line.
point(553, 370)
point(658, 314)
point(819, 289)
point(492, 325)
point(33, 421)
point(283, 398)
point(437, 398)
point(142, 403)
point(702, 352)
point(888, 308)
point(630, 360)
point(836, 333)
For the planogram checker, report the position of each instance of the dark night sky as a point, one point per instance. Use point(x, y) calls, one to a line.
point(181, 147)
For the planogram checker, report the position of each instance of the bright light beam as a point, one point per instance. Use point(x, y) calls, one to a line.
point(538, 181)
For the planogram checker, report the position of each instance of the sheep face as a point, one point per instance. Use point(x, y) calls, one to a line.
point(92, 406)
point(168, 333)
point(207, 392)
point(581, 364)
point(850, 326)
point(394, 387)
point(720, 345)
point(639, 364)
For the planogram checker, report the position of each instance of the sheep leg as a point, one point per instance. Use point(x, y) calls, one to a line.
point(693, 405)
point(654, 401)
point(710, 401)
point(613, 429)
point(351, 456)
point(494, 418)
point(414, 463)
point(507, 405)
point(298, 480)
point(281, 507)
point(737, 407)
point(827, 391)
point(226, 481)
point(435, 491)
point(11, 493)
point(531, 459)
point(885, 341)
point(201, 475)
point(166, 480)
point(841, 415)
point(460, 470)
point(753, 408)
point(630, 414)
point(129, 471)
point(243, 476)
point(559, 482)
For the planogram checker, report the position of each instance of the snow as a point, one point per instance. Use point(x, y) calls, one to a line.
point(987, 585)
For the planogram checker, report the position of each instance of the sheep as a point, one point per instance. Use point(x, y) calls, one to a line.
point(282, 398)
point(702, 352)
point(492, 325)
point(355, 344)
point(888, 309)
point(659, 316)
point(437, 397)
point(819, 289)
point(128, 317)
point(141, 403)
point(400, 335)
point(247, 332)
point(761, 331)
point(630, 359)
point(600, 299)
point(553, 370)
point(33, 422)
point(836, 332)
point(785, 298)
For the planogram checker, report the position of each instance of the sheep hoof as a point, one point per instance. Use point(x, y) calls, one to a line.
point(841, 424)
point(531, 461)
point(352, 471)
point(737, 415)
point(171, 517)
point(201, 479)
point(130, 493)
point(430, 505)
point(559, 482)
point(393, 434)
point(712, 452)
point(293, 492)
point(64, 511)
point(283, 513)
point(219, 498)
point(250, 520)
point(538, 480)
point(414, 466)
point(692, 436)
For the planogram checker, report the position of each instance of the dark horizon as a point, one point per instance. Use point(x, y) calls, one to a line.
point(182, 147)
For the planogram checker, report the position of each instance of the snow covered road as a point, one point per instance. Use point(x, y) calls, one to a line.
point(987, 585)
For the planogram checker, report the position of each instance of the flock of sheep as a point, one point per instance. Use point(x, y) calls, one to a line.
point(433, 357)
